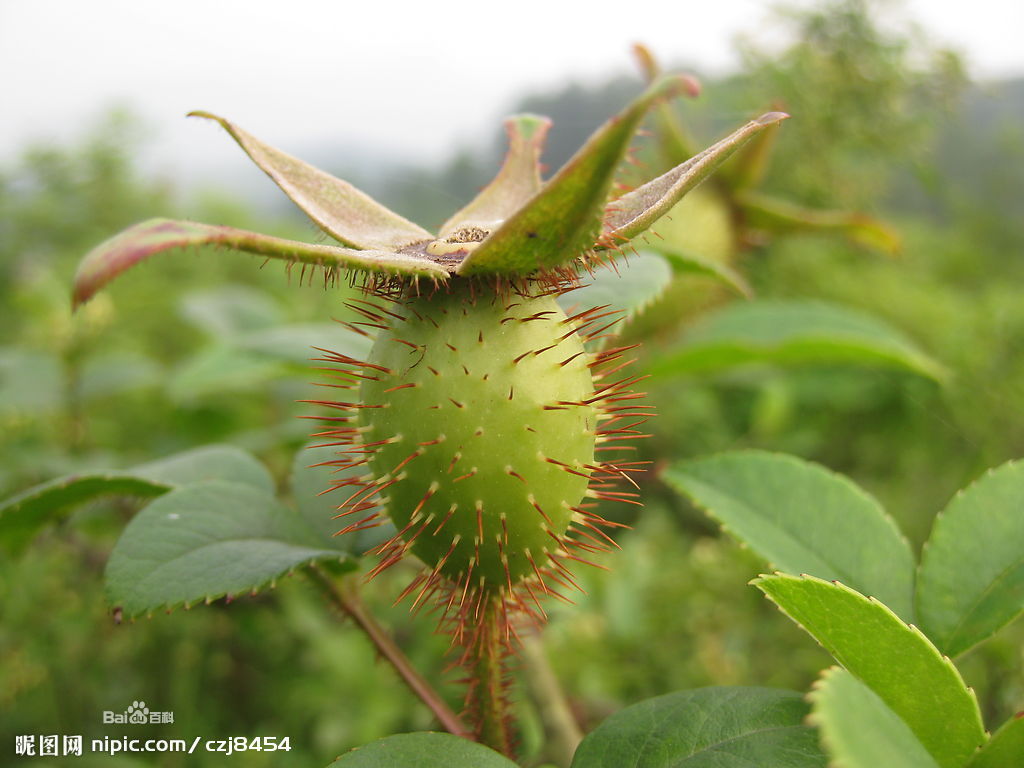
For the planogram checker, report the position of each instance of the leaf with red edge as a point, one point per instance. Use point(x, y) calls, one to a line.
point(123, 251)
point(350, 216)
point(635, 211)
point(563, 220)
point(516, 182)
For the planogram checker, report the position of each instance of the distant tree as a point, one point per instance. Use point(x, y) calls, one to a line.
point(867, 101)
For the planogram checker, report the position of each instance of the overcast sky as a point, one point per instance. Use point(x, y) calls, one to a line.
point(428, 73)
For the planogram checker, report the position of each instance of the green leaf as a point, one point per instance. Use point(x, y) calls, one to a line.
point(516, 182)
point(23, 515)
point(628, 287)
point(636, 211)
point(1005, 748)
point(205, 541)
point(135, 244)
point(339, 209)
point(222, 369)
point(422, 750)
point(318, 492)
point(895, 660)
point(688, 262)
point(210, 462)
point(781, 217)
point(790, 333)
point(562, 221)
point(802, 518)
point(706, 728)
point(971, 580)
point(859, 730)
point(245, 363)
point(230, 310)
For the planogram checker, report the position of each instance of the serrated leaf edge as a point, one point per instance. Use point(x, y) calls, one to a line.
point(944, 659)
point(814, 721)
point(797, 461)
point(1012, 464)
point(326, 555)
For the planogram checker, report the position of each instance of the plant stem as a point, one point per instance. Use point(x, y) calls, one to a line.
point(485, 700)
point(564, 733)
point(75, 426)
point(345, 597)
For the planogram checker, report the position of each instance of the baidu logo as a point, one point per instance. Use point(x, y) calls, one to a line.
point(137, 713)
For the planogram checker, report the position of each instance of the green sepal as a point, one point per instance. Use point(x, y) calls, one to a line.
point(562, 221)
point(636, 211)
point(135, 244)
point(516, 182)
point(748, 167)
point(345, 213)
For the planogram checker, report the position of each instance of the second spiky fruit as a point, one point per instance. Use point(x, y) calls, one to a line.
point(479, 411)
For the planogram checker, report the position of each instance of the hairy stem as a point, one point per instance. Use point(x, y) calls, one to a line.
point(485, 656)
point(345, 597)
point(560, 725)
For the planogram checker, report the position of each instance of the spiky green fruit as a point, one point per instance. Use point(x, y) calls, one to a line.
point(480, 411)
point(477, 418)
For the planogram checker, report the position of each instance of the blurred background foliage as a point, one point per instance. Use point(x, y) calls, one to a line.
point(186, 351)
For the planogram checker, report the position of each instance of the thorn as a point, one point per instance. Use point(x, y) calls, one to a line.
point(407, 459)
point(533, 502)
point(451, 511)
point(455, 458)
